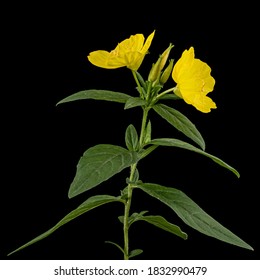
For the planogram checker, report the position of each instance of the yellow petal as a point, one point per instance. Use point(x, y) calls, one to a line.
point(204, 103)
point(183, 65)
point(201, 102)
point(134, 43)
point(148, 43)
point(133, 59)
point(130, 53)
point(194, 81)
point(105, 59)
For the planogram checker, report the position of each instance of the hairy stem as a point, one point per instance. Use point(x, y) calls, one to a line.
point(130, 188)
point(144, 120)
point(127, 211)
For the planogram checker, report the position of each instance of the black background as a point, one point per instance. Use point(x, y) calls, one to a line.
point(44, 59)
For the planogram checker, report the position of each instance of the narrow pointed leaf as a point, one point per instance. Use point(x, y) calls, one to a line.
point(86, 206)
point(118, 246)
point(145, 152)
point(134, 102)
point(192, 214)
point(171, 96)
point(98, 164)
point(184, 145)
point(180, 122)
point(133, 218)
point(148, 133)
point(97, 94)
point(162, 223)
point(140, 79)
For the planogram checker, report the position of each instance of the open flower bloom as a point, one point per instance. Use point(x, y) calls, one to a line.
point(129, 53)
point(194, 81)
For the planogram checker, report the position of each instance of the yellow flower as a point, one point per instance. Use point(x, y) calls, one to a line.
point(194, 81)
point(129, 53)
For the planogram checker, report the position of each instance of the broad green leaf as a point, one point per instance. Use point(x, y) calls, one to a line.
point(131, 138)
point(180, 122)
point(98, 164)
point(134, 102)
point(192, 214)
point(181, 144)
point(162, 223)
point(86, 206)
point(98, 94)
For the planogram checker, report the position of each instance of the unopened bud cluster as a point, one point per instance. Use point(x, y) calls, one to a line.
point(156, 75)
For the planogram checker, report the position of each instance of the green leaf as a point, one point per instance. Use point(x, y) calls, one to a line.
point(135, 253)
point(98, 164)
point(115, 244)
point(134, 102)
point(134, 180)
point(86, 206)
point(192, 214)
point(131, 138)
point(145, 152)
point(180, 122)
point(136, 175)
point(133, 218)
point(181, 144)
point(162, 223)
point(171, 96)
point(148, 133)
point(98, 94)
point(141, 79)
point(157, 221)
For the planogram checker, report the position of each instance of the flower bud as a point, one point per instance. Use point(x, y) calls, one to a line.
point(166, 73)
point(164, 56)
point(158, 66)
point(155, 71)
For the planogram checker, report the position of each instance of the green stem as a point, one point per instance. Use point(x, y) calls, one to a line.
point(137, 82)
point(164, 92)
point(130, 188)
point(143, 127)
point(127, 211)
